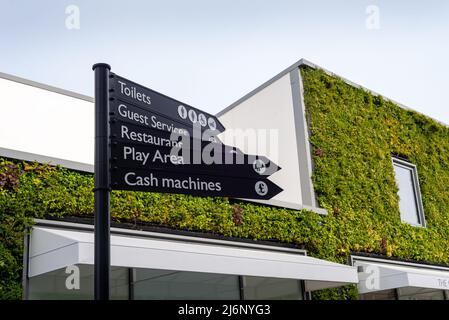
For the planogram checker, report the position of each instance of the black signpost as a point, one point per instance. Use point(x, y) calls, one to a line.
point(146, 141)
point(102, 183)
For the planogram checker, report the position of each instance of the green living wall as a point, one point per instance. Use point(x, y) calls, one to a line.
point(353, 135)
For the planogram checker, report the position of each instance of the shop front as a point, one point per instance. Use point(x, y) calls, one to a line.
point(348, 206)
point(150, 265)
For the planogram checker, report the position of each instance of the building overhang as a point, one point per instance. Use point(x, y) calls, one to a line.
point(55, 247)
point(382, 274)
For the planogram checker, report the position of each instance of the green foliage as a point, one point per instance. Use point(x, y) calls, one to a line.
point(356, 134)
point(353, 134)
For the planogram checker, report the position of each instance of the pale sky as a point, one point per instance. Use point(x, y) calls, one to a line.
point(210, 53)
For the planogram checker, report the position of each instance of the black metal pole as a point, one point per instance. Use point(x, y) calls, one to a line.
point(102, 183)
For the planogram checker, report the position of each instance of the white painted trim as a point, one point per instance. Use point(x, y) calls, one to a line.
point(376, 274)
point(416, 189)
point(31, 157)
point(302, 140)
point(54, 248)
point(45, 87)
point(166, 236)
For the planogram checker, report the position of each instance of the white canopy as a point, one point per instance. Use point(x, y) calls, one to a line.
point(376, 276)
point(54, 248)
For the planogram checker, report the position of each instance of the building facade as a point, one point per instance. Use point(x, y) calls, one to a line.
point(363, 214)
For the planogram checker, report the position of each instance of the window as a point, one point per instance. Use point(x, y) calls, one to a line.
point(389, 294)
point(154, 284)
point(406, 293)
point(260, 288)
point(174, 285)
point(410, 204)
point(184, 285)
point(52, 285)
point(410, 293)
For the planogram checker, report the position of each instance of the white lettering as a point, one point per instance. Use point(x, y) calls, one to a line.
point(150, 181)
point(167, 158)
point(134, 116)
point(133, 93)
point(125, 133)
point(135, 155)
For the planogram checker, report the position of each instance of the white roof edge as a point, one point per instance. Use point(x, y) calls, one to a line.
point(287, 205)
point(27, 156)
point(304, 62)
point(53, 248)
point(383, 274)
point(43, 86)
point(61, 225)
point(395, 262)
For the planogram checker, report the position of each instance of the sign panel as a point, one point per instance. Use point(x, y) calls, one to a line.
point(127, 91)
point(159, 144)
point(146, 141)
point(144, 117)
point(135, 134)
point(134, 156)
point(194, 184)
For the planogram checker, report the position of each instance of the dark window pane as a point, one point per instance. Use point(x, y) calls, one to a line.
point(52, 285)
point(163, 284)
point(257, 288)
point(410, 293)
point(379, 295)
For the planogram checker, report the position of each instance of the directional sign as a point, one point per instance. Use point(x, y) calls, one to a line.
point(146, 141)
point(127, 91)
point(135, 134)
point(159, 144)
point(145, 117)
point(135, 146)
point(193, 184)
point(133, 156)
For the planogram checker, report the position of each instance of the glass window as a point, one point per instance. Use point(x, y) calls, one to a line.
point(380, 295)
point(407, 293)
point(259, 288)
point(410, 204)
point(165, 284)
point(410, 293)
point(52, 285)
point(153, 284)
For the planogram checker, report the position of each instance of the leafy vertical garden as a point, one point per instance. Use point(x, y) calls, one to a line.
point(353, 135)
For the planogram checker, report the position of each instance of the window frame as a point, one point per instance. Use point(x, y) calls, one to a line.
point(402, 163)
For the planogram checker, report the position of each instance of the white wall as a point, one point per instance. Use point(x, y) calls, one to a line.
point(271, 108)
point(47, 123)
point(61, 126)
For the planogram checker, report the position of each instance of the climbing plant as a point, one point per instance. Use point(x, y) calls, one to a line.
point(353, 135)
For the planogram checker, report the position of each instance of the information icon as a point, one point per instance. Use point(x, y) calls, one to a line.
point(182, 112)
point(259, 166)
point(202, 120)
point(212, 124)
point(261, 188)
point(192, 116)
